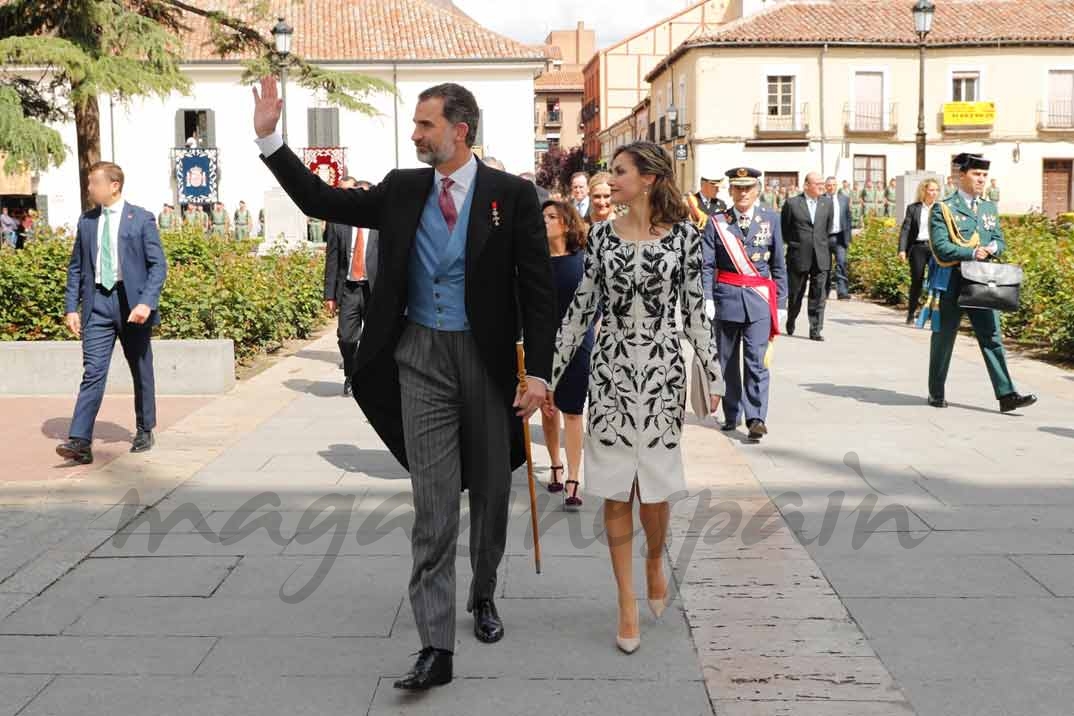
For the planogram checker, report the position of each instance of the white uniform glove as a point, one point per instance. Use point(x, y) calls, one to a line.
point(710, 309)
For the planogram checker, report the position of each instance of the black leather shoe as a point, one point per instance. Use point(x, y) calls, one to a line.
point(488, 627)
point(77, 450)
point(729, 425)
point(433, 668)
point(757, 429)
point(937, 402)
point(143, 441)
point(816, 337)
point(346, 387)
point(1014, 401)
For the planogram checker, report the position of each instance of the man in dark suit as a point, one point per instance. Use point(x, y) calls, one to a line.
point(805, 220)
point(706, 197)
point(839, 239)
point(463, 259)
point(117, 271)
point(346, 282)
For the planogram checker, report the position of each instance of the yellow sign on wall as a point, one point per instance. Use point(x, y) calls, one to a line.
point(969, 114)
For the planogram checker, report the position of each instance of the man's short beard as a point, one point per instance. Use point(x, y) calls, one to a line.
point(439, 155)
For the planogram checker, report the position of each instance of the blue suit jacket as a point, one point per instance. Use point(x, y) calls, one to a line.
point(763, 240)
point(141, 262)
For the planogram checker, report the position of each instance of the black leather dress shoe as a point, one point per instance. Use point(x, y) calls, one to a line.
point(77, 450)
point(816, 337)
point(937, 402)
point(433, 668)
point(143, 441)
point(1014, 401)
point(346, 387)
point(757, 429)
point(729, 425)
point(488, 627)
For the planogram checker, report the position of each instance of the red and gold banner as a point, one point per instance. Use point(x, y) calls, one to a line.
point(329, 163)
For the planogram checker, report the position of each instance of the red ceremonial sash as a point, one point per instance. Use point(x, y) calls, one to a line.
point(747, 276)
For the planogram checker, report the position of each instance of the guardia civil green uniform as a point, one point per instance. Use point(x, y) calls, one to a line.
point(166, 220)
point(770, 198)
point(890, 196)
point(220, 222)
point(316, 230)
point(993, 194)
point(242, 224)
point(871, 199)
point(976, 224)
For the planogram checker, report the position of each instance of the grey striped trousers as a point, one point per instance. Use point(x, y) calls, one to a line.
point(454, 419)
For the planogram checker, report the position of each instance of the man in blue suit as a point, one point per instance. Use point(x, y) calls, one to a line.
point(116, 272)
point(839, 238)
point(745, 282)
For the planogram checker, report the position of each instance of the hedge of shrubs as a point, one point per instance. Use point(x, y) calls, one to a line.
point(1042, 247)
point(216, 288)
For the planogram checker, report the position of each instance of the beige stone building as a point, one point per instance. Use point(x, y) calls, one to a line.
point(558, 90)
point(615, 76)
point(832, 86)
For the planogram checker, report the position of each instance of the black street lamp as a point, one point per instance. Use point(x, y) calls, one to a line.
point(923, 10)
point(281, 35)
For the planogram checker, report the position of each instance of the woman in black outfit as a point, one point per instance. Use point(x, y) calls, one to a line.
point(566, 242)
point(914, 240)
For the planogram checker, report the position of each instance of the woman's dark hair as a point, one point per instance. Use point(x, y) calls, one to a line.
point(665, 201)
point(577, 233)
point(459, 106)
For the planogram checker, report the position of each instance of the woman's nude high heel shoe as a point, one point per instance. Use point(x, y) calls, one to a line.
point(628, 645)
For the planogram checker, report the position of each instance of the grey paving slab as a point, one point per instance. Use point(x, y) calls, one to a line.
point(218, 616)
point(833, 678)
point(356, 577)
point(538, 697)
point(909, 574)
point(1054, 571)
point(939, 648)
point(985, 517)
point(266, 656)
point(173, 696)
point(17, 691)
point(143, 544)
point(806, 708)
point(781, 637)
point(563, 639)
point(48, 613)
point(102, 655)
point(11, 601)
point(150, 576)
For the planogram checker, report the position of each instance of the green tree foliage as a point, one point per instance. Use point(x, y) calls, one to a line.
point(58, 56)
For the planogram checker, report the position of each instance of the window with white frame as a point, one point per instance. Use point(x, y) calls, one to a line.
point(780, 96)
point(966, 86)
point(1060, 110)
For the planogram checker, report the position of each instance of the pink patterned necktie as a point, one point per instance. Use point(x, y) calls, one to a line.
point(447, 204)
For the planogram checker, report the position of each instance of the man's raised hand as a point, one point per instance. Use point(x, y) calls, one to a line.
point(267, 107)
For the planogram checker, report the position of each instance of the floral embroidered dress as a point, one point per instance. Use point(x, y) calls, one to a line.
point(637, 386)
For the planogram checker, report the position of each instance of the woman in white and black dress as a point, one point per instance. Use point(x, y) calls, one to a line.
point(914, 240)
point(639, 267)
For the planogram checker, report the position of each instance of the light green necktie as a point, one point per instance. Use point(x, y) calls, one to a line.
point(108, 266)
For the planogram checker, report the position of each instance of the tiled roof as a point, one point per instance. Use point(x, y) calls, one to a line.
point(560, 79)
point(372, 30)
point(885, 22)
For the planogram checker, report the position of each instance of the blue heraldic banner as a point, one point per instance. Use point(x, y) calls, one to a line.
point(196, 175)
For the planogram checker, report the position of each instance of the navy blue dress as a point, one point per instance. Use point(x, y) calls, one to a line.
point(571, 390)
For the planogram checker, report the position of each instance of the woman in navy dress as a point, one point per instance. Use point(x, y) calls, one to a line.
point(566, 243)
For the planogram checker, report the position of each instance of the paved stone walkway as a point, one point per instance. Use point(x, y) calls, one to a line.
point(296, 603)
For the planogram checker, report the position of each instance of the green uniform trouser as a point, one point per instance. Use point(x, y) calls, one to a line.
point(985, 326)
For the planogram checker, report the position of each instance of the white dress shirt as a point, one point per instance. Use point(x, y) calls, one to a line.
point(811, 204)
point(463, 177)
point(114, 216)
point(923, 222)
point(837, 210)
point(968, 198)
point(749, 213)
